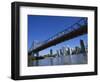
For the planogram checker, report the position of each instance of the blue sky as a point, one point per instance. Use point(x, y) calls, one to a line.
point(41, 27)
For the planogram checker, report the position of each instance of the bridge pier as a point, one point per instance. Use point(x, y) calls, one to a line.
point(37, 54)
point(37, 60)
point(51, 59)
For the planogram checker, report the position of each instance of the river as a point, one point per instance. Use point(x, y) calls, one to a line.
point(62, 60)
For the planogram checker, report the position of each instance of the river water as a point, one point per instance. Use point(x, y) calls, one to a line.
point(62, 60)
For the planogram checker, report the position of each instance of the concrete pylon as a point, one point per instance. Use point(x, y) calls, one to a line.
point(37, 61)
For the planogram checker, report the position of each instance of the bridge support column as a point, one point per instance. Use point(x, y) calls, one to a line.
point(37, 54)
point(51, 59)
point(37, 58)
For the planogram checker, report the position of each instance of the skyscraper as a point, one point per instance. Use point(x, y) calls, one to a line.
point(51, 52)
point(82, 46)
point(58, 54)
point(64, 50)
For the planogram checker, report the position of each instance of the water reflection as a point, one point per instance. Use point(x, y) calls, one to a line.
point(61, 60)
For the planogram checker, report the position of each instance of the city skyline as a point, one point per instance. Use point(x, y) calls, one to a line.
point(59, 46)
point(64, 56)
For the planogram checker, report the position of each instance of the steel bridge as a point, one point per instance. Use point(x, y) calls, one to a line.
point(75, 30)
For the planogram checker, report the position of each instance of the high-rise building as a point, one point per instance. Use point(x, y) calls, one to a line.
point(82, 45)
point(51, 52)
point(58, 54)
point(72, 51)
point(77, 50)
point(61, 53)
point(64, 51)
point(68, 51)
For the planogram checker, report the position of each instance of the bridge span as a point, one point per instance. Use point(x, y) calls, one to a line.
point(77, 29)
